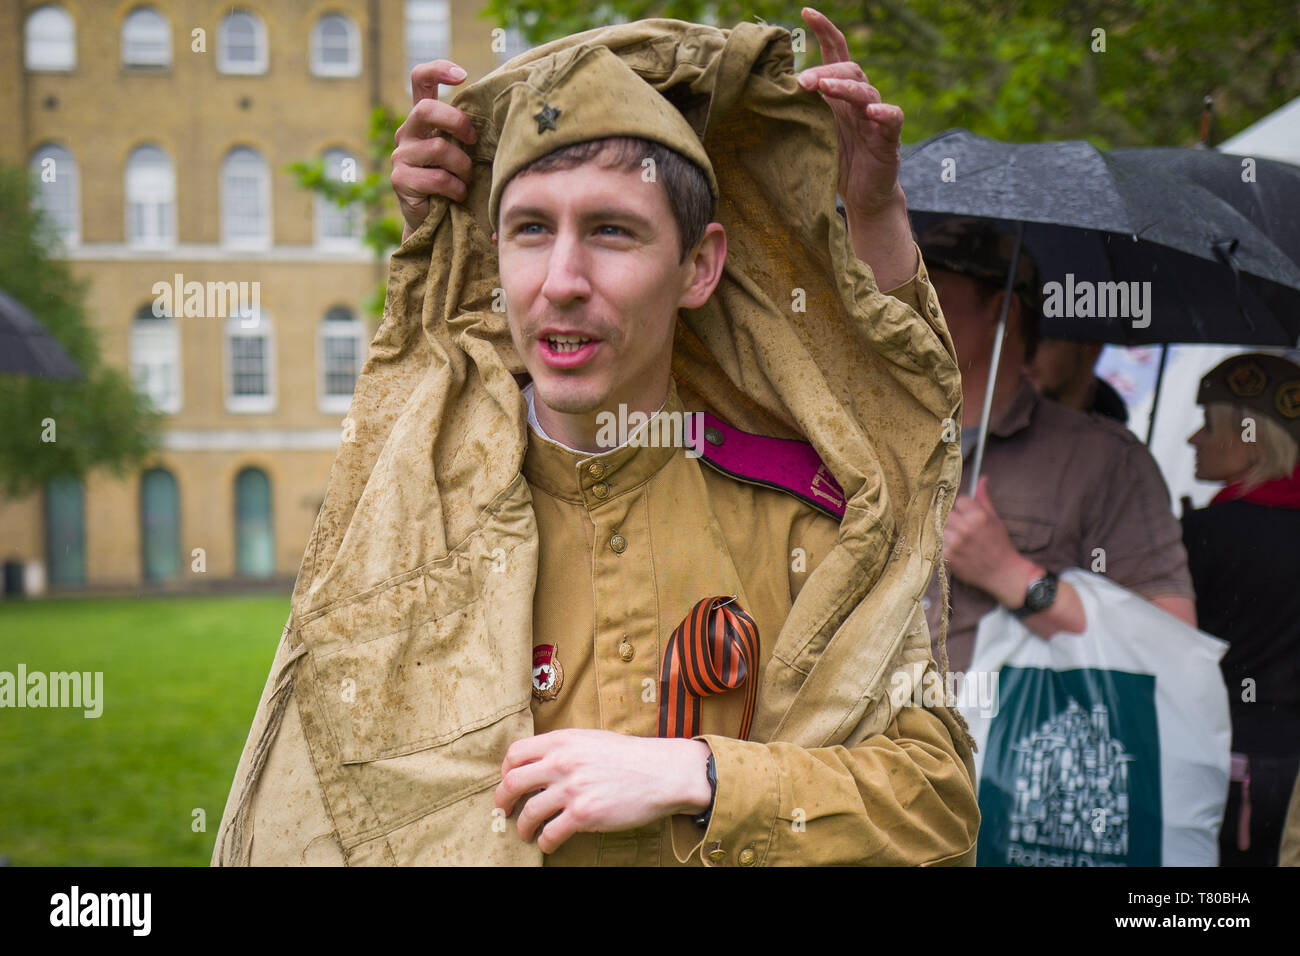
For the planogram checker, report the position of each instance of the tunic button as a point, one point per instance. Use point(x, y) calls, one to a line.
point(596, 469)
point(713, 436)
point(717, 856)
point(747, 857)
point(626, 651)
point(934, 308)
point(600, 489)
point(618, 544)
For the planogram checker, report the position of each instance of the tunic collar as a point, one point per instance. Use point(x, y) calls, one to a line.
point(593, 479)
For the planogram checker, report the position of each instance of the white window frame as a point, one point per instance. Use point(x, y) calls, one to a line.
point(328, 213)
point(56, 50)
point(262, 239)
point(422, 19)
point(255, 66)
point(236, 326)
point(164, 202)
point(152, 337)
point(319, 66)
point(146, 20)
point(65, 212)
point(332, 327)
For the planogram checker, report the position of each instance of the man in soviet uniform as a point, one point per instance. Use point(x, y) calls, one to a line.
point(396, 686)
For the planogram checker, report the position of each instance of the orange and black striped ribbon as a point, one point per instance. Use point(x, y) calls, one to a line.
point(714, 650)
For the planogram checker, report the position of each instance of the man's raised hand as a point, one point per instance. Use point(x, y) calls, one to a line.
point(427, 162)
point(869, 130)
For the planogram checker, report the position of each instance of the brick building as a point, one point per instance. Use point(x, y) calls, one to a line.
point(164, 130)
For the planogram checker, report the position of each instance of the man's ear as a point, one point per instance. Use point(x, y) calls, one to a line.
point(706, 265)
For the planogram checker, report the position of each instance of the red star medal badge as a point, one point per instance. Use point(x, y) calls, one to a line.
point(548, 675)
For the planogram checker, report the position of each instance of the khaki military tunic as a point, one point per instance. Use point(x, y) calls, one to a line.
point(631, 540)
point(619, 568)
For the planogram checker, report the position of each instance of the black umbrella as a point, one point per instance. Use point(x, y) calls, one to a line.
point(1215, 276)
point(1197, 270)
point(26, 348)
point(1265, 191)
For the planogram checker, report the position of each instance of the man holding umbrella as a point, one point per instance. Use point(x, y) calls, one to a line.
point(1058, 488)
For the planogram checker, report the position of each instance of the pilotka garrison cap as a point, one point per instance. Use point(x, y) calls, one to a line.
point(591, 94)
point(1268, 384)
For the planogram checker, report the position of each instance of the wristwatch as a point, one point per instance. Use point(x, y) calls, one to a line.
point(710, 771)
point(1038, 597)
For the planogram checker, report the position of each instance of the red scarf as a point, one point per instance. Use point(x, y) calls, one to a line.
point(1276, 493)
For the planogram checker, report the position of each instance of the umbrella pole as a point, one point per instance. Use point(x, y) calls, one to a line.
point(1155, 398)
point(987, 410)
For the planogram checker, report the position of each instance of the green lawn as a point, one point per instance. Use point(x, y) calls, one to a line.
point(182, 677)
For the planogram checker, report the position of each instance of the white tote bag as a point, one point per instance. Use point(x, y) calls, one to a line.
point(1106, 748)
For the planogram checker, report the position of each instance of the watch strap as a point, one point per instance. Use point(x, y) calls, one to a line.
point(711, 772)
point(1026, 609)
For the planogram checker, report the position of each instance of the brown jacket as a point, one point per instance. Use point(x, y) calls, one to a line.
point(404, 670)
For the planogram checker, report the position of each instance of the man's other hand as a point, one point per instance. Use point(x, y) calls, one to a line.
point(597, 781)
point(868, 130)
point(426, 161)
point(868, 135)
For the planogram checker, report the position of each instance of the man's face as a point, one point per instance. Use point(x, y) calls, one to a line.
point(1057, 363)
point(972, 323)
point(589, 261)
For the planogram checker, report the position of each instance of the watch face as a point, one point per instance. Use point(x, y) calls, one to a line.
point(1041, 594)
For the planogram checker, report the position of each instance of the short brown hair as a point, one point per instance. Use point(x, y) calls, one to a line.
point(689, 195)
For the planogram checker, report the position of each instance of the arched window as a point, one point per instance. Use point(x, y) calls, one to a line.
point(160, 525)
point(245, 199)
point(58, 191)
point(254, 529)
point(65, 531)
point(339, 227)
point(250, 363)
point(49, 40)
point(146, 38)
point(342, 350)
point(156, 358)
point(150, 198)
point(241, 43)
point(428, 31)
point(335, 46)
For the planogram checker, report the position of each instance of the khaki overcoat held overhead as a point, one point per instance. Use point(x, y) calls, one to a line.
point(407, 653)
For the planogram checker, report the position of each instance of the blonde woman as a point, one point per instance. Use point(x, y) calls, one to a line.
point(1243, 550)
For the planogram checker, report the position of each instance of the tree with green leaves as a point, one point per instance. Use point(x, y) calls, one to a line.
point(373, 192)
point(56, 427)
point(1130, 73)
